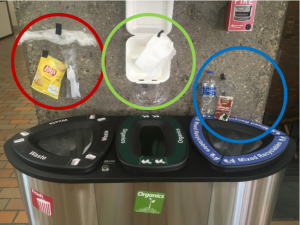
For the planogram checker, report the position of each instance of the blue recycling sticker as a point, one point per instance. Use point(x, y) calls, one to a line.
point(278, 144)
point(200, 141)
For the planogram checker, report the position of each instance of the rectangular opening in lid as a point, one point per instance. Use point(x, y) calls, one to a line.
point(151, 141)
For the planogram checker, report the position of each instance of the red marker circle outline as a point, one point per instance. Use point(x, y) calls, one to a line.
point(13, 61)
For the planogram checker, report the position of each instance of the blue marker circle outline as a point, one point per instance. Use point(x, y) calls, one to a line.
point(284, 97)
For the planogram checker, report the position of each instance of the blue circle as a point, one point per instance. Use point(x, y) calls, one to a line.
point(284, 91)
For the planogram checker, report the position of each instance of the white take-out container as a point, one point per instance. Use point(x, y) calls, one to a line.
point(143, 29)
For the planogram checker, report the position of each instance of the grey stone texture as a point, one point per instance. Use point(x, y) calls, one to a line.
point(205, 24)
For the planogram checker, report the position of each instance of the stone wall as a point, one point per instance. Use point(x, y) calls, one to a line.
point(204, 22)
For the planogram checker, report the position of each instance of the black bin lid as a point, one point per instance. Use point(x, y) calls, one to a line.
point(70, 145)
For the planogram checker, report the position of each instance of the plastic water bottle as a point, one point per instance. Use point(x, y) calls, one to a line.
point(208, 95)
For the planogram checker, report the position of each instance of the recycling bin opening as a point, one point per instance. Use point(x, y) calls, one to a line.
point(238, 132)
point(232, 156)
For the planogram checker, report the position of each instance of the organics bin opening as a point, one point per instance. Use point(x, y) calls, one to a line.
point(151, 141)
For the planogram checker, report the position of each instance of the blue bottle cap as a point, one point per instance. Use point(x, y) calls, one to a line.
point(210, 72)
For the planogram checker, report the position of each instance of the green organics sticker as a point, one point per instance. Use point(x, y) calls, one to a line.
point(149, 202)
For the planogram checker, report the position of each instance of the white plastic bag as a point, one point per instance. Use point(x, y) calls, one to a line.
point(158, 52)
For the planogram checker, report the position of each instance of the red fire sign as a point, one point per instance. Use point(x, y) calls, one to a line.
point(240, 15)
point(42, 202)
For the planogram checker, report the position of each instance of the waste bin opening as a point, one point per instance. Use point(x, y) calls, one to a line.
point(152, 142)
point(72, 143)
point(238, 132)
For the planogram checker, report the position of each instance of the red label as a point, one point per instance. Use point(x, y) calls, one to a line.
point(42, 202)
point(223, 108)
point(240, 15)
point(49, 70)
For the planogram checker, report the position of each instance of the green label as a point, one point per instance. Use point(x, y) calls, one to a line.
point(149, 202)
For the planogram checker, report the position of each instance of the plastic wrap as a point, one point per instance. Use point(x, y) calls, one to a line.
point(149, 94)
point(66, 37)
point(72, 82)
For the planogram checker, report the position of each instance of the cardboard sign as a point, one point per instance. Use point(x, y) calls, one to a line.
point(42, 202)
point(223, 108)
point(240, 15)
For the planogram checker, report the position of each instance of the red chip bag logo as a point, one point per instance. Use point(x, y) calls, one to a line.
point(42, 202)
point(49, 70)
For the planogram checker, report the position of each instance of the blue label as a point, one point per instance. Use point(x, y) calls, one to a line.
point(274, 148)
point(209, 91)
point(200, 141)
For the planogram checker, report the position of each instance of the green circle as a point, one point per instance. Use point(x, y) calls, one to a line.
point(186, 86)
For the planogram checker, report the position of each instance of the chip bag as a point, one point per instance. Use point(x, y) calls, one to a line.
point(48, 77)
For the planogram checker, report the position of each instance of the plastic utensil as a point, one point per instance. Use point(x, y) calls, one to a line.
point(74, 85)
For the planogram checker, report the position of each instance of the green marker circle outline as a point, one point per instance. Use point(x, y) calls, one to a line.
point(186, 86)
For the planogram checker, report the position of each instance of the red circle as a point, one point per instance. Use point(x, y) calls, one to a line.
point(13, 61)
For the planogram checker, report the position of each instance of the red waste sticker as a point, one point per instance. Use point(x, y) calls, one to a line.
point(42, 202)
